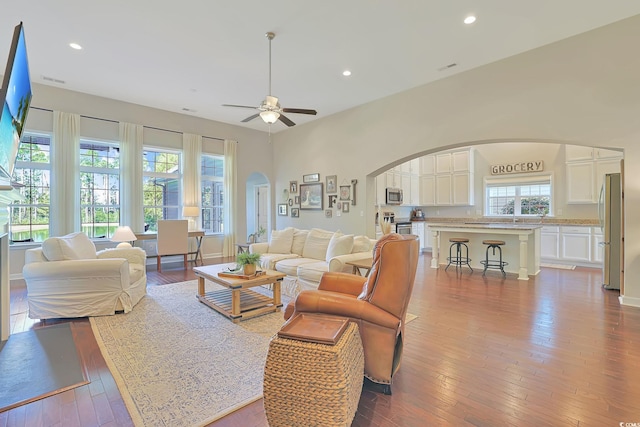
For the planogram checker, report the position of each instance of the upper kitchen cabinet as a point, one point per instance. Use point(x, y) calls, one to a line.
point(585, 168)
point(447, 178)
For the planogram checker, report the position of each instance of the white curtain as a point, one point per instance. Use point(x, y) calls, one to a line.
point(65, 174)
point(132, 196)
point(192, 153)
point(230, 184)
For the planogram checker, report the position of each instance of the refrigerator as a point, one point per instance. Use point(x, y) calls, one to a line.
point(610, 216)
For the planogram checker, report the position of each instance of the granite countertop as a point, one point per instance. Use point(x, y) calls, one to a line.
point(520, 221)
point(487, 226)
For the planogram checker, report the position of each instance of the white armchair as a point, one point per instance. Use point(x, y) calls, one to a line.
point(67, 278)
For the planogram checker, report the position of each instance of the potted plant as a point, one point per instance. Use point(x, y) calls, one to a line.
point(248, 262)
point(255, 237)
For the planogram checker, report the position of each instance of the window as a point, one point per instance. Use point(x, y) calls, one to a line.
point(161, 186)
point(212, 178)
point(99, 188)
point(29, 219)
point(519, 197)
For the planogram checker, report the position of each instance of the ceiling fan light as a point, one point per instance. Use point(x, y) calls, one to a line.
point(270, 116)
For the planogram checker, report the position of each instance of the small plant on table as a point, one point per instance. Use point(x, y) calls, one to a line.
point(247, 262)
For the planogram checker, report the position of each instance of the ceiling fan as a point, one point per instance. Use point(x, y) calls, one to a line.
point(270, 109)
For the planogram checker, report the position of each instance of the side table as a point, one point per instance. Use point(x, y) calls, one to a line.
point(242, 247)
point(311, 384)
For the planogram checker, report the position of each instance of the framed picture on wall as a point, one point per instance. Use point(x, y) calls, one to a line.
point(312, 177)
point(311, 196)
point(293, 186)
point(345, 192)
point(297, 200)
point(345, 207)
point(295, 212)
point(328, 213)
point(282, 209)
point(331, 184)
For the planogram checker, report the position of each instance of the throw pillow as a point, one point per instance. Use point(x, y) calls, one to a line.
point(299, 238)
point(361, 244)
point(72, 246)
point(339, 245)
point(317, 243)
point(281, 241)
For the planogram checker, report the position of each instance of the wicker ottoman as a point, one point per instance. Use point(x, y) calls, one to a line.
point(309, 384)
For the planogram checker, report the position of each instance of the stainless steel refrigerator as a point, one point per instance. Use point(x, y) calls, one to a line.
point(610, 213)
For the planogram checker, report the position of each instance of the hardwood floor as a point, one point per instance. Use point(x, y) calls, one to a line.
point(557, 350)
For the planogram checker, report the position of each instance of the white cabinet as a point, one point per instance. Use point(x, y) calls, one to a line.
point(571, 245)
point(576, 243)
point(447, 178)
point(580, 185)
point(427, 190)
point(414, 193)
point(443, 189)
point(428, 165)
point(417, 228)
point(550, 243)
point(585, 167)
point(462, 187)
point(381, 189)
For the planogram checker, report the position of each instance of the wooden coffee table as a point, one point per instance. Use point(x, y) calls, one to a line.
point(237, 301)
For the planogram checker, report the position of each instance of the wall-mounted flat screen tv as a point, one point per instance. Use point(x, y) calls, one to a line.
point(16, 93)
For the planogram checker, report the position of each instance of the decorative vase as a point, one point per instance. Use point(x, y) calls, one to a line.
point(249, 269)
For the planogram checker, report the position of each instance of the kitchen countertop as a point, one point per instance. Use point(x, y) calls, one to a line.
point(488, 226)
point(521, 221)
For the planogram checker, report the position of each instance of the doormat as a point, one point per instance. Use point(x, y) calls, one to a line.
point(39, 363)
point(560, 266)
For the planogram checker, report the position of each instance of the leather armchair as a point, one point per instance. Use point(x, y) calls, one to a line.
point(377, 303)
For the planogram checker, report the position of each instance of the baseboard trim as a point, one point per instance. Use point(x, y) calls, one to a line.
point(630, 301)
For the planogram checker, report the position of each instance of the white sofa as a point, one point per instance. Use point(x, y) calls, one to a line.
point(304, 255)
point(67, 278)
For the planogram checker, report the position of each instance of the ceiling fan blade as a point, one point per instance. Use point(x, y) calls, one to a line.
point(250, 118)
point(239, 106)
point(286, 120)
point(299, 111)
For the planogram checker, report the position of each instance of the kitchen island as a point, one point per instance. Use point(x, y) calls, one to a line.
point(521, 249)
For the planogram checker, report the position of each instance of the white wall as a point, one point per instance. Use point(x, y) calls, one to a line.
point(583, 90)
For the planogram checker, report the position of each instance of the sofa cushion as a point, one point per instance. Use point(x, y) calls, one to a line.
point(312, 272)
point(268, 261)
point(361, 244)
point(290, 266)
point(339, 245)
point(281, 241)
point(299, 239)
point(72, 246)
point(317, 244)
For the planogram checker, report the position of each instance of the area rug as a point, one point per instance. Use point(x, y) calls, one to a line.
point(39, 363)
point(178, 362)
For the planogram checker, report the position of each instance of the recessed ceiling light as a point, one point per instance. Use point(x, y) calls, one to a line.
point(470, 19)
point(75, 46)
point(346, 73)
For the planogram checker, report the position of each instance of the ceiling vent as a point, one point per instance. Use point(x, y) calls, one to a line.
point(52, 80)
point(446, 67)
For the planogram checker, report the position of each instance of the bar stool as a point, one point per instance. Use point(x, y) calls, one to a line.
point(459, 259)
point(497, 264)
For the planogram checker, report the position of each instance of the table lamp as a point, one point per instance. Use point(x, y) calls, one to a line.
point(191, 212)
point(124, 235)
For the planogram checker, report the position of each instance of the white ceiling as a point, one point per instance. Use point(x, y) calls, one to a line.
point(199, 54)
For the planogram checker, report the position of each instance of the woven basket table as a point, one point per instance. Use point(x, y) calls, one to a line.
point(309, 384)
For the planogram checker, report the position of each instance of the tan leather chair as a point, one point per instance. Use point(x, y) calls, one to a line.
point(172, 239)
point(377, 303)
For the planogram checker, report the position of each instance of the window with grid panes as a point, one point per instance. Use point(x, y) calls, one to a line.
point(162, 177)
point(99, 188)
point(523, 197)
point(212, 182)
point(29, 216)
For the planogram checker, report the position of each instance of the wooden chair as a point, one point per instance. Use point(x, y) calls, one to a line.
point(173, 239)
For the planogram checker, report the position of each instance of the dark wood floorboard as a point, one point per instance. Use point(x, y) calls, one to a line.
point(557, 350)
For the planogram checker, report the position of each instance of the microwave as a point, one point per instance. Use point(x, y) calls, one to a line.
point(394, 196)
